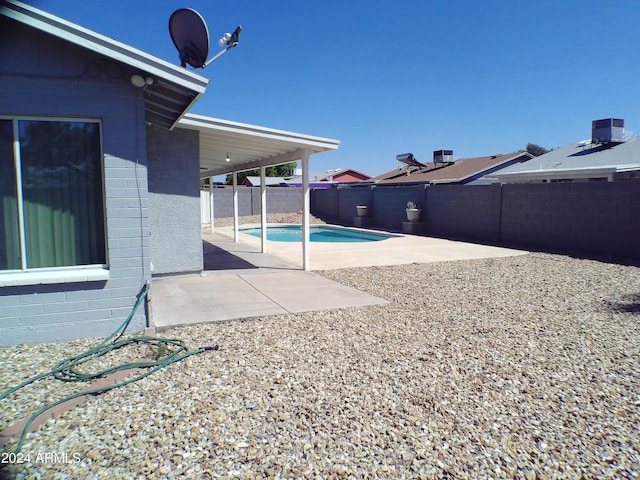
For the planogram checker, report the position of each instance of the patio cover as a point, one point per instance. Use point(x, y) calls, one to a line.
point(250, 146)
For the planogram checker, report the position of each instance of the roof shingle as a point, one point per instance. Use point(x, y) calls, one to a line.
point(461, 171)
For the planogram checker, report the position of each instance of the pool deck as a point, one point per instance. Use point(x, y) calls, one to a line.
point(399, 250)
point(240, 282)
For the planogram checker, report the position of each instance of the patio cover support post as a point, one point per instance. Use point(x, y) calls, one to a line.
point(263, 209)
point(211, 203)
point(306, 265)
point(236, 229)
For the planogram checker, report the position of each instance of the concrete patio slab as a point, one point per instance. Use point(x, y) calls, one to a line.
point(200, 299)
point(245, 293)
point(300, 291)
point(240, 282)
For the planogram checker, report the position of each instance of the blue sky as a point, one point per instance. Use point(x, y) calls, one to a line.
point(479, 77)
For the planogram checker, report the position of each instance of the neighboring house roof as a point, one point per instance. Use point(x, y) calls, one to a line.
point(339, 175)
point(248, 146)
point(174, 89)
point(283, 182)
point(328, 176)
point(251, 181)
point(576, 161)
point(460, 172)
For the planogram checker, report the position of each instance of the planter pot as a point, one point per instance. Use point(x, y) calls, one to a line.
point(413, 214)
point(362, 210)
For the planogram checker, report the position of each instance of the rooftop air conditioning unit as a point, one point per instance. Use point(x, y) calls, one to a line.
point(607, 130)
point(443, 156)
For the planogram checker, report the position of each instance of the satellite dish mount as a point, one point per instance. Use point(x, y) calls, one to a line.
point(191, 37)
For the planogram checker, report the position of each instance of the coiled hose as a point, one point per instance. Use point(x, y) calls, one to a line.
point(167, 351)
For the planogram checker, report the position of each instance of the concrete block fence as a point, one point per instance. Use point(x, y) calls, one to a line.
point(279, 200)
point(596, 218)
point(592, 218)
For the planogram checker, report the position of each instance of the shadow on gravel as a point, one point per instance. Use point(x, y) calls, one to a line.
point(7, 473)
point(630, 304)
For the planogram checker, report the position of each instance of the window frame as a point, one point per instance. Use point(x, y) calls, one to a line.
point(63, 274)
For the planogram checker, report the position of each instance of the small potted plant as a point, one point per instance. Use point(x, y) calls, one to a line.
point(413, 212)
point(362, 210)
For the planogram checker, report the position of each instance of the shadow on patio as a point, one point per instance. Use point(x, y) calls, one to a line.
point(216, 258)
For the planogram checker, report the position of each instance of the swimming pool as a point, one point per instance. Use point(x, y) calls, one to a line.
point(317, 233)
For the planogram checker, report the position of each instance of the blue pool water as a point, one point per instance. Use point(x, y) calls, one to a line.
point(318, 233)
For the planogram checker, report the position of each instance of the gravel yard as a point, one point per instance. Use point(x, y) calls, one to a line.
point(520, 367)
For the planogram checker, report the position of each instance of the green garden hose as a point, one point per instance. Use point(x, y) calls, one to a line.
point(167, 351)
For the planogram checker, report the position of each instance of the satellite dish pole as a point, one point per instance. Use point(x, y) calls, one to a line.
point(231, 40)
point(190, 35)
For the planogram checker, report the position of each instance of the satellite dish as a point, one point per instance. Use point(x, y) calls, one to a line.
point(191, 37)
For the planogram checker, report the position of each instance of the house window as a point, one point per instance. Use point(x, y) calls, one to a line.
point(51, 194)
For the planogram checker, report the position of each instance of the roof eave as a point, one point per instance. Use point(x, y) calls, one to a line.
point(450, 180)
point(186, 110)
point(102, 45)
point(568, 172)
